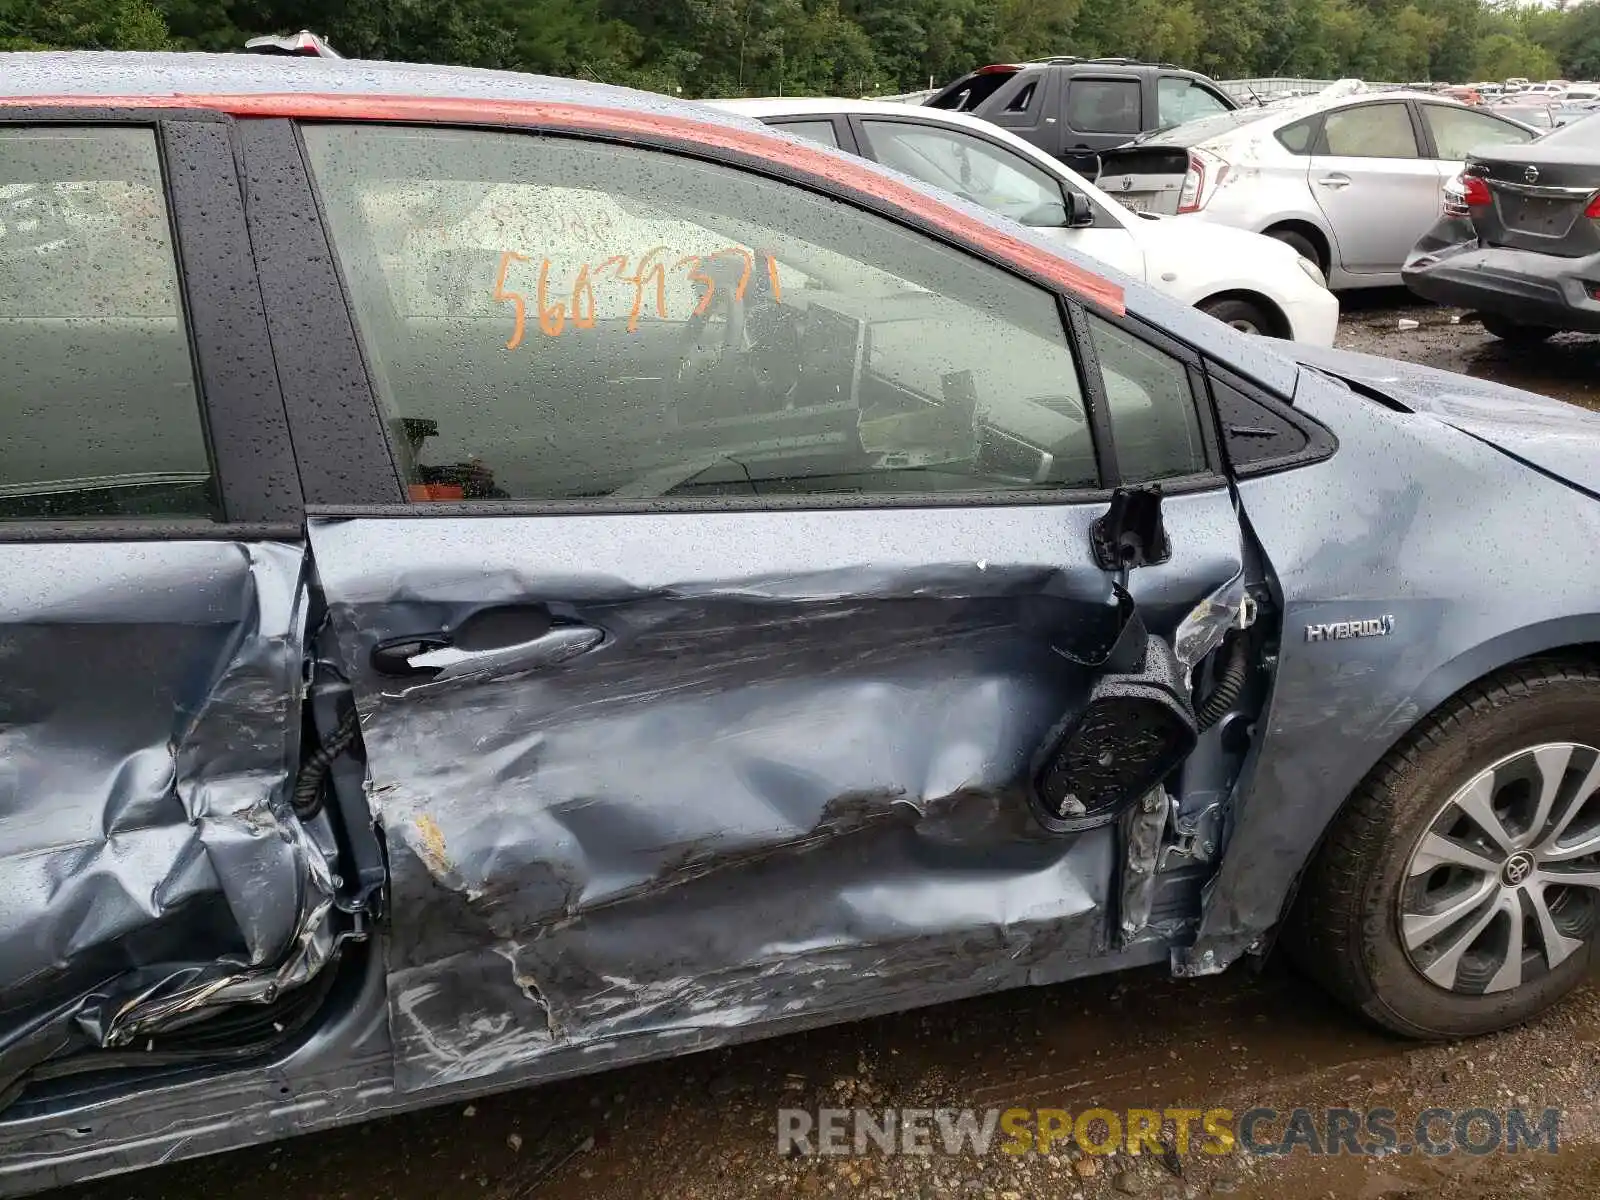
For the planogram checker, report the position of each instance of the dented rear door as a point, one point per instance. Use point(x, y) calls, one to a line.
point(718, 644)
point(152, 604)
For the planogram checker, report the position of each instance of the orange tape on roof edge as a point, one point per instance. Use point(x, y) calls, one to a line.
point(1084, 284)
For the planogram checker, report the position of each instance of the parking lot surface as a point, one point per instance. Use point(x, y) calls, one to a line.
point(705, 1127)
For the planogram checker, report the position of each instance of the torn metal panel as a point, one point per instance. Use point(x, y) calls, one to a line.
point(1142, 829)
point(1205, 627)
point(790, 782)
point(149, 733)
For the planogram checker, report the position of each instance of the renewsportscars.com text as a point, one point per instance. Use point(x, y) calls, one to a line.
point(1134, 1131)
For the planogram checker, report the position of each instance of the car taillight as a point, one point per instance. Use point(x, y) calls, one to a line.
point(1465, 193)
point(1205, 174)
point(1593, 211)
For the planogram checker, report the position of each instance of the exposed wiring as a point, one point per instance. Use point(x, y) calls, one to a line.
point(309, 791)
point(1229, 685)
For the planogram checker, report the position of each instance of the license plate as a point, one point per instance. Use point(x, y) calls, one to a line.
point(1137, 204)
point(1548, 218)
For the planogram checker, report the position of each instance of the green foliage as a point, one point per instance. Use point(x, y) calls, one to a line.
point(87, 24)
point(856, 47)
point(1577, 40)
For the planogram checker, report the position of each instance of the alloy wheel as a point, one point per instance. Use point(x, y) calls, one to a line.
point(1504, 884)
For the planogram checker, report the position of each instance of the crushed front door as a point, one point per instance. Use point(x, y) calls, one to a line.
point(727, 678)
point(662, 778)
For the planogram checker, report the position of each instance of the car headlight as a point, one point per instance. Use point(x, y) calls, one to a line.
point(1312, 271)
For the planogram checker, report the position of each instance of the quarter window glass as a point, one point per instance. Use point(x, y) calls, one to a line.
point(817, 131)
point(551, 319)
point(97, 391)
point(972, 168)
point(1372, 131)
point(1019, 103)
point(1179, 100)
point(1458, 131)
point(1153, 416)
point(1104, 105)
point(1296, 138)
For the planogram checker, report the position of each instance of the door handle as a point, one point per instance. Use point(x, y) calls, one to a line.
point(511, 638)
point(1336, 181)
point(560, 644)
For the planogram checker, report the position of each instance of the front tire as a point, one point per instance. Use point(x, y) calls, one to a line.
point(1239, 314)
point(1459, 891)
point(1510, 331)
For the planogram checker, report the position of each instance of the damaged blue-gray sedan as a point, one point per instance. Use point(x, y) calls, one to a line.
point(501, 578)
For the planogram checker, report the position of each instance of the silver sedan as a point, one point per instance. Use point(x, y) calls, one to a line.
point(1350, 181)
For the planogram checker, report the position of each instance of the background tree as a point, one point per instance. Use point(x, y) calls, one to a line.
point(90, 24)
point(856, 47)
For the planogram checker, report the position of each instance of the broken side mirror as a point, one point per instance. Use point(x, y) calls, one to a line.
point(1080, 209)
point(1135, 730)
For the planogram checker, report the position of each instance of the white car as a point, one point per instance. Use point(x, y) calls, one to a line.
point(1250, 282)
point(1351, 182)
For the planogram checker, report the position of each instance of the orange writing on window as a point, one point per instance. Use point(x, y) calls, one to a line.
point(501, 296)
point(744, 278)
point(552, 317)
point(648, 270)
point(772, 274)
point(582, 301)
point(578, 311)
point(696, 275)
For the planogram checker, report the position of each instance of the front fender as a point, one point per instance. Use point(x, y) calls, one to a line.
point(1472, 555)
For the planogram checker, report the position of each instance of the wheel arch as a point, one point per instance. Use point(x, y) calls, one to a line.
point(1516, 648)
point(1277, 318)
point(1315, 234)
point(1252, 927)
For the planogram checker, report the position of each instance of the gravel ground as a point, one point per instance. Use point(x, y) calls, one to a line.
point(705, 1127)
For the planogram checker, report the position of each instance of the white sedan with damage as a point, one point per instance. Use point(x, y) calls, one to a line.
point(1241, 278)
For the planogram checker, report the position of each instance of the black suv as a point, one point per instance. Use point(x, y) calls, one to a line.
point(1074, 108)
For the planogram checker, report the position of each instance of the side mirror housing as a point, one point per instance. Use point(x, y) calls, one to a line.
point(1080, 210)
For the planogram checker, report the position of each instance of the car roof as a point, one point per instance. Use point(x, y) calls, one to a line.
point(88, 73)
point(762, 107)
point(352, 89)
point(767, 107)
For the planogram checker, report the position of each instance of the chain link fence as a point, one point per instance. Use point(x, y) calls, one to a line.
point(1280, 87)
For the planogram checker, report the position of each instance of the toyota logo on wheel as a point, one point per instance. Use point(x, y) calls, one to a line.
point(1518, 867)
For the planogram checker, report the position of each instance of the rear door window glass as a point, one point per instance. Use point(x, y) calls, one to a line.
point(1370, 131)
point(1104, 105)
point(551, 319)
point(1457, 131)
point(817, 131)
point(98, 394)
